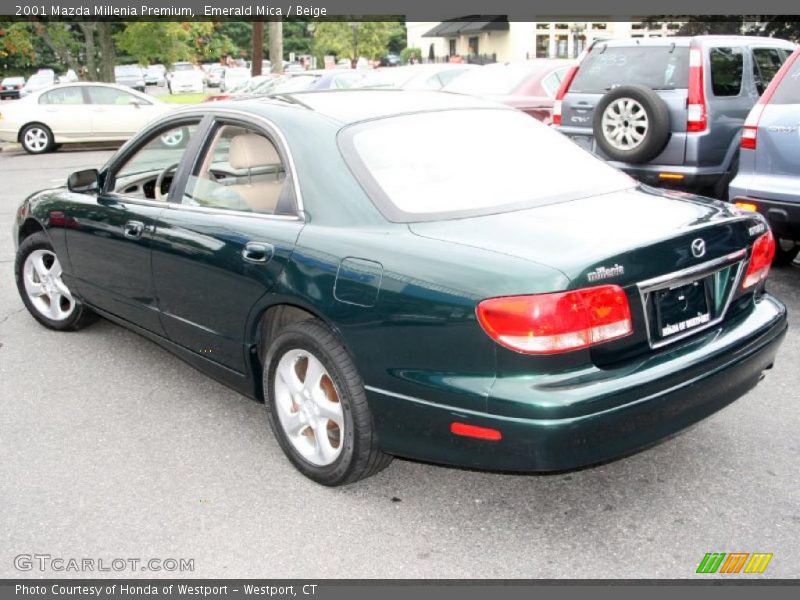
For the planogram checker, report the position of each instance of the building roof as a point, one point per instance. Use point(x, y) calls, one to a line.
point(469, 25)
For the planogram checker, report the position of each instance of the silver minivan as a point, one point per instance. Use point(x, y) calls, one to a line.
point(668, 111)
point(768, 180)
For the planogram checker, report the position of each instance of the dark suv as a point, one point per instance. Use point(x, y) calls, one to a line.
point(668, 111)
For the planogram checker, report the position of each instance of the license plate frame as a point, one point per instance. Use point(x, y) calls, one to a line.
point(682, 308)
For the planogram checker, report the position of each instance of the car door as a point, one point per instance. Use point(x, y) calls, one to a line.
point(110, 234)
point(224, 242)
point(117, 114)
point(63, 110)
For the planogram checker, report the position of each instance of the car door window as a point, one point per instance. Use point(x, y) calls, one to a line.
point(766, 63)
point(111, 96)
point(241, 171)
point(157, 159)
point(66, 95)
point(727, 65)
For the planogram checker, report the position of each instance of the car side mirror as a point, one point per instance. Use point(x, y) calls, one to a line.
point(82, 182)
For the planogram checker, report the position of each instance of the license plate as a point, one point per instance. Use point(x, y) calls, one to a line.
point(682, 308)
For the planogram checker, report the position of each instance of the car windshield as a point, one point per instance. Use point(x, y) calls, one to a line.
point(657, 67)
point(127, 70)
point(521, 163)
point(386, 78)
point(492, 79)
point(182, 67)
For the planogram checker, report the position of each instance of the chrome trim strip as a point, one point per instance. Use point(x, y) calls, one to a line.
point(271, 127)
point(684, 276)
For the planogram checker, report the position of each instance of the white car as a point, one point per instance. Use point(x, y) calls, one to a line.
point(78, 112)
point(233, 77)
point(185, 78)
point(44, 78)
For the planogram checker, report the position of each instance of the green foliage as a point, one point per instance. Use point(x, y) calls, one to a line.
point(354, 39)
point(149, 42)
point(406, 54)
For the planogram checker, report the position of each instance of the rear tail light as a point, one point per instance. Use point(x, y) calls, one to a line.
point(750, 129)
point(557, 322)
point(696, 115)
point(562, 91)
point(760, 260)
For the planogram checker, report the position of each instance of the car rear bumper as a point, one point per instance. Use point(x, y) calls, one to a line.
point(783, 217)
point(634, 406)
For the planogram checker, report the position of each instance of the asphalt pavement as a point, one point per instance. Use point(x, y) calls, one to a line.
point(110, 447)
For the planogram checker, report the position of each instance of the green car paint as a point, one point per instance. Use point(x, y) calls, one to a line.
point(402, 296)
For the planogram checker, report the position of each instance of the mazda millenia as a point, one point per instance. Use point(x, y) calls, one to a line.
point(414, 274)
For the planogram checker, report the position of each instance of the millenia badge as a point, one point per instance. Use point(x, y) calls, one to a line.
point(732, 563)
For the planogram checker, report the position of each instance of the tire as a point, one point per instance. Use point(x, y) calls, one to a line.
point(785, 252)
point(36, 138)
point(350, 450)
point(36, 257)
point(640, 119)
point(174, 138)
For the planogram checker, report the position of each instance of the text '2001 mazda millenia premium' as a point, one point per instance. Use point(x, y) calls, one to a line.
point(335, 254)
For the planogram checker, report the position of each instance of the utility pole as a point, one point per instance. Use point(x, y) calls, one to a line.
point(258, 48)
point(276, 45)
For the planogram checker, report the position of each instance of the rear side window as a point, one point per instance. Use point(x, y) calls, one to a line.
point(766, 62)
point(788, 91)
point(657, 67)
point(66, 95)
point(727, 65)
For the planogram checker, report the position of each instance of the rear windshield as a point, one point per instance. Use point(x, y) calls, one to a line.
point(788, 92)
point(657, 67)
point(446, 164)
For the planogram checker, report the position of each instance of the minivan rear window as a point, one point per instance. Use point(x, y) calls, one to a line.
point(657, 67)
point(788, 91)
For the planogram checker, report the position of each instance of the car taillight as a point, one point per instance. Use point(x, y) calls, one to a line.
point(559, 321)
point(562, 91)
point(750, 129)
point(760, 260)
point(696, 116)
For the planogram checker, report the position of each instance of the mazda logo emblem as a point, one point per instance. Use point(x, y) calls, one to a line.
point(698, 248)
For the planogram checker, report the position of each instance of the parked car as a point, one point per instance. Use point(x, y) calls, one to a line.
point(43, 78)
point(414, 77)
point(214, 75)
point(10, 87)
point(668, 111)
point(528, 85)
point(768, 179)
point(233, 77)
point(131, 76)
point(391, 60)
point(401, 301)
point(253, 86)
point(77, 112)
point(185, 78)
point(155, 75)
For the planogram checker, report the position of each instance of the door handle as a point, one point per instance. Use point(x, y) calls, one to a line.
point(258, 252)
point(133, 229)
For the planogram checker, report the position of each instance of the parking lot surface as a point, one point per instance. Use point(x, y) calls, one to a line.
point(111, 447)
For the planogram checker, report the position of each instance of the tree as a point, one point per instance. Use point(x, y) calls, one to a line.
point(276, 45)
point(85, 47)
point(353, 39)
point(258, 48)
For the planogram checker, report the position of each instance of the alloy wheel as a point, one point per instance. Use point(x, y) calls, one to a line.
point(625, 124)
point(308, 407)
point(45, 289)
point(172, 138)
point(36, 139)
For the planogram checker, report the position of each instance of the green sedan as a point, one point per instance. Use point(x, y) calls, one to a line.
point(411, 274)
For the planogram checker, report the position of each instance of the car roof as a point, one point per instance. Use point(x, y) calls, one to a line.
point(703, 40)
point(352, 106)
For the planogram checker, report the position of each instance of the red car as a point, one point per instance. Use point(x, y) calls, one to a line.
point(528, 85)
